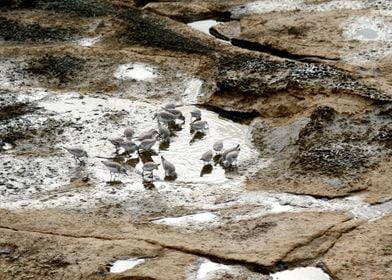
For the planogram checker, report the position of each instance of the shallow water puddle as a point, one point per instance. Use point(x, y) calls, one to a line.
point(302, 273)
point(209, 270)
point(135, 71)
point(124, 265)
point(203, 25)
point(44, 181)
point(96, 119)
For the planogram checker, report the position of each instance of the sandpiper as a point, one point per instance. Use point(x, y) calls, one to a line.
point(128, 133)
point(116, 142)
point(224, 154)
point(207, 157)
point(129, 146)
point(147, 144)
point(196, 114)
point(177, 113)
point(149, 134)
point(114, 168)
point(231, 158)
point(164, 133)
point(77, 153)
point(149, 167)
point(169, 167)
point(218, 146)
point(164, 117)
point(199, 126)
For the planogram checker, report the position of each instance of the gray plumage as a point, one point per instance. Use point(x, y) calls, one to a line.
point(218, 146)
point(116, 142)
point(164, 132)
point(199, 125)
point(147, 144)
point(128, 133)
point(2, 145)
point(236, 148)
point(169, 167)
point(149, 134)
point(164, 117)
point(114, 167)
point(196, 113)
point(170, 105)
point(177, 113)
point(76, 152)
point(231, 158)
point(207, 157)
point(149, 167)
point(129, 146)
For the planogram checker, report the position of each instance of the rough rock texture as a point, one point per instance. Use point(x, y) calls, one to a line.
point(368, 246)
point(320, 94)
point(262, 245)
point(347, 39)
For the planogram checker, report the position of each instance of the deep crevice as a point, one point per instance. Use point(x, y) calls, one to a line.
point(328, 197)
point(254, 267)
point(236, 116)
point(254, 46)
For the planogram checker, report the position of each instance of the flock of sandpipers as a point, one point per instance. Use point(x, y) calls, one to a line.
point(144, 142)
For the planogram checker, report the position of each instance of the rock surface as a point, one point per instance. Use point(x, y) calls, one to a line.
point(312, 79)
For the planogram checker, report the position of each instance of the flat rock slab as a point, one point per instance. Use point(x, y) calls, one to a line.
point(364, 253)
point(356, 40)
point(261, 242)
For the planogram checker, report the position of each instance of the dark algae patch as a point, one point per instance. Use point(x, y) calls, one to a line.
point(85, 8)
point(11, 30)
point(63, 68)
point(265, 76)
point(341, 145)
point(149, 30)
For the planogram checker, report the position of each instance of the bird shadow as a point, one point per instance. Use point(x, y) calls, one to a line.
point(79, 171)
point(145, 157)
point(231, 170)
point(114, 182)
point(198, 135)
point(170, 178)
point(148, 183)
point(132, 162)
point(217, 159)
point(175, 126)
point(207, 169)
point(164, 145)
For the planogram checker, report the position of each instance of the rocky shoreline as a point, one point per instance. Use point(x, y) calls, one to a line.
point(304, 86)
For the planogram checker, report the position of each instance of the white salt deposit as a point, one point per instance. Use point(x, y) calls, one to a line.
point(302, 273)
point(135, 71)
point(123, 265)
point(187, 220)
